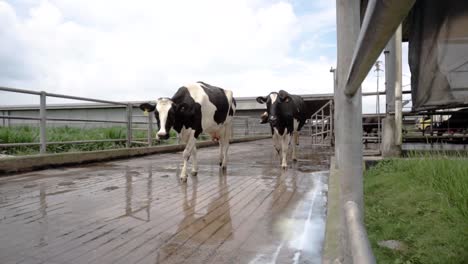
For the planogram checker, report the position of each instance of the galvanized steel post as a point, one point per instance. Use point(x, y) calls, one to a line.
point(398, 89)
point(349, 118)
point(43, 123)
point(150, 130)
point(129, 125)
point(391, 131)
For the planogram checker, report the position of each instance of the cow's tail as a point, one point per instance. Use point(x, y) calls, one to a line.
point(232, 105)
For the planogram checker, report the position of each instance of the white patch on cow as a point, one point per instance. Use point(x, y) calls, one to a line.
point(276, 140)
point(273, 97)
point(163, 106)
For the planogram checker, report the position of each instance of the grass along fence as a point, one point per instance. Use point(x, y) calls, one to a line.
point(106, 138)
point(423, 203)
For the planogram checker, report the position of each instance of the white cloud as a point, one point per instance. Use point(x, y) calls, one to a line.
point(121, 50)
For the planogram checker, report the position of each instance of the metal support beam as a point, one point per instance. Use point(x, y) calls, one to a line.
point(348, 110)
point(129, 125)
point(398, 88)
point(380, 22)
point(43, 123)
point(393, 77)
point(150, 130)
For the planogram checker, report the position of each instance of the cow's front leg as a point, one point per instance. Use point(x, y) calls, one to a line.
point(186, 155)
point(277, 141)
point(284, 149)
point(194, 161)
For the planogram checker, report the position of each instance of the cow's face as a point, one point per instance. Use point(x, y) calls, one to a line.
point(165, 116)
point(164, 111)
point(274, 102)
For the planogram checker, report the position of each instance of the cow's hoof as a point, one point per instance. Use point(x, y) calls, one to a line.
point(194, 173)
point(295, 159)
point(284, 167)
point(183, 179)
point(223, 168)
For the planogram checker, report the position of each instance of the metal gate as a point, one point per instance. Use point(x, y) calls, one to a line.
point(321, 125)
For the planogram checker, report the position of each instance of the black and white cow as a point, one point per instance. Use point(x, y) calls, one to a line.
point(287, 114)
point(196, 108)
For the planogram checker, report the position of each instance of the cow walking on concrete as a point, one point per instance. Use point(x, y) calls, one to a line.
point(196, 108)
point(286, 114)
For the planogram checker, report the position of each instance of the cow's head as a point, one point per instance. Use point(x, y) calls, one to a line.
point(164, 111)
point(274, 102)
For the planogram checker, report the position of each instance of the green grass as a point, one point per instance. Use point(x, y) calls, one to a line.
point(28, 134)
point(423, 202)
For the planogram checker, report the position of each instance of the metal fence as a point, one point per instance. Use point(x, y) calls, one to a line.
point(321, 125)
point(132, 119)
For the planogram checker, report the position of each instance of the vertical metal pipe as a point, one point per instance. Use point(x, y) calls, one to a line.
point(43, 123)
point(323, 127)
point(129, 125)
point(349, 118)
point(332, 117)
point(150, 130)
point(398, 89)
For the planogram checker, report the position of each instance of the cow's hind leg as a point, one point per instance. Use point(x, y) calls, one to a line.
point(186, 155)
point(284, 149)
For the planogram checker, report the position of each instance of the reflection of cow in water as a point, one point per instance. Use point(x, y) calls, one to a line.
point(457, 123)
point(191, 230)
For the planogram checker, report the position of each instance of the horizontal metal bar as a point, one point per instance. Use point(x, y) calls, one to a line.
point(15, 90)
point(381, 93)
point(20, 117)
point(61, 142)
point(139, 142)
point(380, 22)
point(63, 119)
point(138, 128)
point(320, 133)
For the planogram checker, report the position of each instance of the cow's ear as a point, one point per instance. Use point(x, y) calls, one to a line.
point(284, 96)
point(261, 99)
point(147, 107)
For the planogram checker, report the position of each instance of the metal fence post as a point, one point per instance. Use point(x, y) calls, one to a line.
point(150, 130)
point(43, 124)
point(129, 125)
point(247, 127)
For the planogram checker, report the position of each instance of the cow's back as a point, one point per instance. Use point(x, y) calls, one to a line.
point(215, 104)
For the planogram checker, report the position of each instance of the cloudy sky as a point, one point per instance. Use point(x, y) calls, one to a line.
point(141, 50)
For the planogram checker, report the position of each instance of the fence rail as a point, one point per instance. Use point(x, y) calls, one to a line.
point(132, 120)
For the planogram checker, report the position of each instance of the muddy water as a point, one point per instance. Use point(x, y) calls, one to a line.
point(137, 211)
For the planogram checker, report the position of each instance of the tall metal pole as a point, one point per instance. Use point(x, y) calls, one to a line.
point(377, 110)
point(129, 125)
point(349, 131)
point(398, 89)
point(150, 130)
point(348, 109)
point(390, 130)
point(43, 123)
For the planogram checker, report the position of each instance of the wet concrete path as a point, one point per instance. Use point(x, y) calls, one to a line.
point(136, 210)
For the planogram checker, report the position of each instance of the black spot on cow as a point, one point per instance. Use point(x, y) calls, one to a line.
point(219, 99)
point(187, 112)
